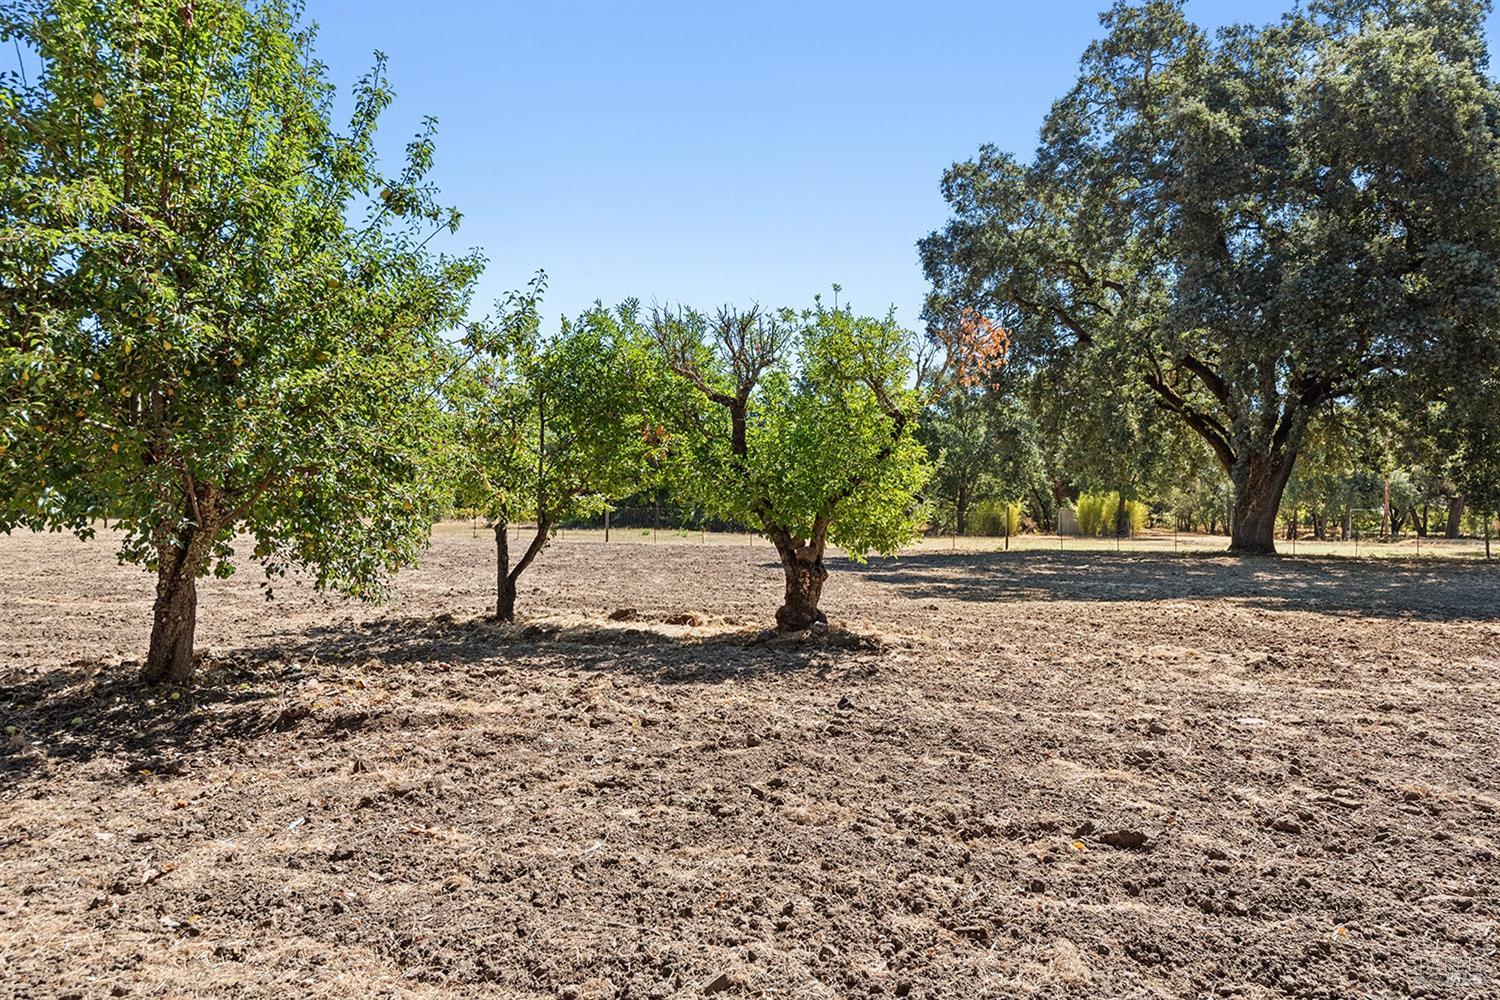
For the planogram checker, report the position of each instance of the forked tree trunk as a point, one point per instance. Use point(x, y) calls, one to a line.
point(1256, 503)
point(174, 620)
point(505, 587)
point(805, 573)
point(507, 576)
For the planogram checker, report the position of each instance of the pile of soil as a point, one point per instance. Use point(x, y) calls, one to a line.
point(999, 775)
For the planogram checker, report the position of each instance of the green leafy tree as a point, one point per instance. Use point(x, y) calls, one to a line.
point(1477, 434)
point(984, 448)
point(553, 429)
point(960, 436)
point(217, 314)
point(1262, 220)
point(802, 425)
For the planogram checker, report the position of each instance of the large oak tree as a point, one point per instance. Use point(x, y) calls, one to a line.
point(1261, 220)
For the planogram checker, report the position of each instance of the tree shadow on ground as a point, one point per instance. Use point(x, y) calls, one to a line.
point(706, 654)
point(87, 710)
point(1420, 591)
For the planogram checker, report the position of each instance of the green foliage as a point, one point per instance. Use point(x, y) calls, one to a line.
point(553, 428)
point(1089, 510)
point(800, 424)
point(994, 518)
point(1251, 223)
point(960, 437)
point(1099, 513)
point(217, 312)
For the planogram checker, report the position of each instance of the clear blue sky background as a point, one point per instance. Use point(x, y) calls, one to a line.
point(712, 152)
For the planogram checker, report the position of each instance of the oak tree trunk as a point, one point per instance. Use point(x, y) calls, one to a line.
point(1455, 515)
point(1256, 502)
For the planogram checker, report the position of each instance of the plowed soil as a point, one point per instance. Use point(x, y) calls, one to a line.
point(1038, 774)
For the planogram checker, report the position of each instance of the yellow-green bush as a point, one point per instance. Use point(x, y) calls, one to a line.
point(1097, 513)
point(991, 517)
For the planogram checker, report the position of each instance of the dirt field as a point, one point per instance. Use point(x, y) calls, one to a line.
point(1049, 774)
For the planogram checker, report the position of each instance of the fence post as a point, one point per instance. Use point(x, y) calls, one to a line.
point(606, 526)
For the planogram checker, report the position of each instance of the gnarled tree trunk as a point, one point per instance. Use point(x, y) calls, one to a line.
point(1257, 499)
point(181, 559)
point(805, 573)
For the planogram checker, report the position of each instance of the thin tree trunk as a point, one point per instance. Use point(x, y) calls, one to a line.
point(505, 587)
point(1043, 521)
point(507, 576)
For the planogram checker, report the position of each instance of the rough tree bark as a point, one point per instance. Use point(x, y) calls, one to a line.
point(805, 573)
point(1257, 499)
point(182, 556)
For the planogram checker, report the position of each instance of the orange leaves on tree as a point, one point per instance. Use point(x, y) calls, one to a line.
point(976, 345)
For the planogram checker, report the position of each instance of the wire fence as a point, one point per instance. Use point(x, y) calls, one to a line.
point(665, 524)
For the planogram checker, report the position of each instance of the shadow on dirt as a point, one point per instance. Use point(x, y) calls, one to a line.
point(85, 710)
point(1426, 591)
point(678, 656)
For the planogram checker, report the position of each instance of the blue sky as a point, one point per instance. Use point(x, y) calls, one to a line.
point(710, 152)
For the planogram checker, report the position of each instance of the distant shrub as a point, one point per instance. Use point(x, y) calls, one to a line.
point(1098, 512)
point(1090, 513)
point(993, 518)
